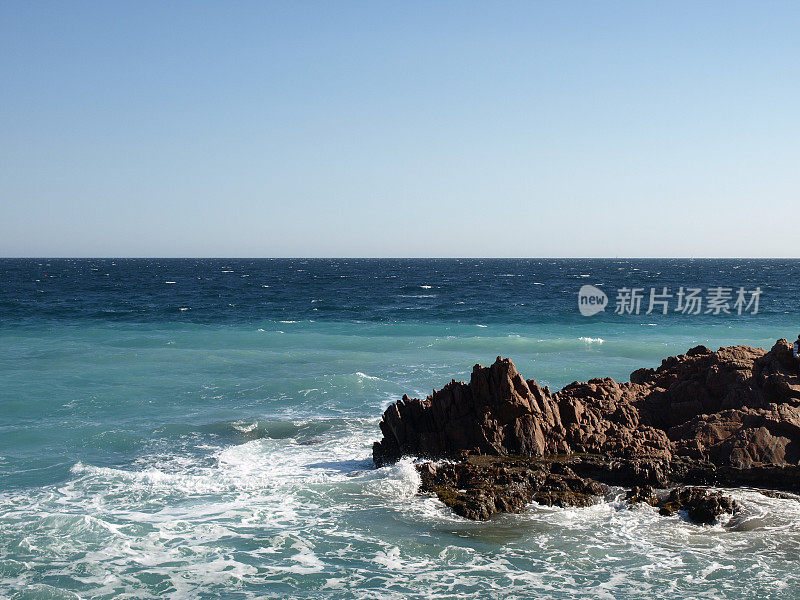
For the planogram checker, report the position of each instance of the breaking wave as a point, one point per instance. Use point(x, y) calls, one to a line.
point(274, 516)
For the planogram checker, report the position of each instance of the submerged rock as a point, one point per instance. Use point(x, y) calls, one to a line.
point(642, 494)
point(730, 417)
point(701, 505)
point(481, 486)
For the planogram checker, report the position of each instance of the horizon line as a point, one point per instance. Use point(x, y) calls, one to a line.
point(399, 258)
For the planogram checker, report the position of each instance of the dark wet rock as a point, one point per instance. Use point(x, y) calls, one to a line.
point(701, 505)
point(642, 494)
point(725, 417)
point(481, 486)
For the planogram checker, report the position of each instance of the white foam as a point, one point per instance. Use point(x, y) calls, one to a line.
point(251, 519)
point(364, 376)
point(245, 427)
point(589, 340)
point(390, 559)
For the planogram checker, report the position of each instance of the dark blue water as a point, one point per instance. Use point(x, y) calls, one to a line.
point(190, 428)
point(471, 290)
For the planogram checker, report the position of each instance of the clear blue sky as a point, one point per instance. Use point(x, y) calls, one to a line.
point(399, 129)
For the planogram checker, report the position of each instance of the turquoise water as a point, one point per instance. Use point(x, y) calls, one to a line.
point(225, 451)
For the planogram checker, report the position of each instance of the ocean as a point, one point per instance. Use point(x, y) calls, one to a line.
point(202, 428)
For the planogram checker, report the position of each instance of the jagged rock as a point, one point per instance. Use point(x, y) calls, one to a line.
point(642, 494)
point(701, 505)
point(742, 438)
point(481, 486)
point(714, 418)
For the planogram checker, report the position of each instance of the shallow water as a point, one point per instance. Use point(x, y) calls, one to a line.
point(223, 451)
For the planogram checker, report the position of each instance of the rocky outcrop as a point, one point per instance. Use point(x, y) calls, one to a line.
point(701, 505)
point(500, 413)
point(730, 417)
point(481, 486)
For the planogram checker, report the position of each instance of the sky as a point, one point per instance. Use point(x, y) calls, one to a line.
point(400, 129)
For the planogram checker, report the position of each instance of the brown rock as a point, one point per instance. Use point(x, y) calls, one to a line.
point(729, 416)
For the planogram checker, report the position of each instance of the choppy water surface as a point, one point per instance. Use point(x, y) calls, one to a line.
point(210, 438)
